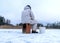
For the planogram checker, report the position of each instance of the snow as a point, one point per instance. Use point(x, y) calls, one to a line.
point(16, 36)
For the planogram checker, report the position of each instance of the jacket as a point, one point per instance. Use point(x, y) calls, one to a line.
point(27, 16)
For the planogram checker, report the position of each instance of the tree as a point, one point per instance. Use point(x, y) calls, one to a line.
point(7, 21)
point(2, 20)
point(20, 24)
point(38, 25)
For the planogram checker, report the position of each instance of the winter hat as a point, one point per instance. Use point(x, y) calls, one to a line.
point(29, 6)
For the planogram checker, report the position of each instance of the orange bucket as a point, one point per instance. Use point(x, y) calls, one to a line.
point(26, 28)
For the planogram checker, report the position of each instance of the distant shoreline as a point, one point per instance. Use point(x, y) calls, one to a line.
point(10, 27)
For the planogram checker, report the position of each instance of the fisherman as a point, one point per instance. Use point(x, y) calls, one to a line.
point(28, 17)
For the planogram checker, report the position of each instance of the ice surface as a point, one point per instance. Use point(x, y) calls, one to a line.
point(16, 36)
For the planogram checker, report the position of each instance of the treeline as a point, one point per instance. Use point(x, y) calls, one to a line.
point(53, 25)
point(38, 25)
point(4, 21)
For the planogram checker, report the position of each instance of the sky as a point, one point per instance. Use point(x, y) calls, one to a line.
point(46, 11)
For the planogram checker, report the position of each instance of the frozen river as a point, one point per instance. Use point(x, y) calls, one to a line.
point(16, 36)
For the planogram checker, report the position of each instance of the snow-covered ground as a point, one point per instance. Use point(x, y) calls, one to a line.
point(16, 36)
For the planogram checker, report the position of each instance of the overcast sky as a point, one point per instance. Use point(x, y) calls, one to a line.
point(44, 10)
